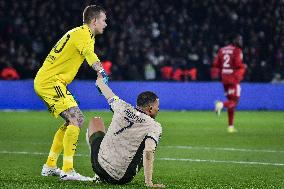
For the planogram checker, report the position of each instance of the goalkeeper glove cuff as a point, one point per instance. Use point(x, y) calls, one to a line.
point(105, 76)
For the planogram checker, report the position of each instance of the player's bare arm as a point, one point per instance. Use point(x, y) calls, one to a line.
point(105, 90)
point(97, 66)
point(148, 163)
point(100, 70)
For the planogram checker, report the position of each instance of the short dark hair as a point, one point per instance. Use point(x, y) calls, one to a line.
point(233, 36)
point(146, 98)
point(92, 11)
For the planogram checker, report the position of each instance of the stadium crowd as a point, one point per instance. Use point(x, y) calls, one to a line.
point(148, 39)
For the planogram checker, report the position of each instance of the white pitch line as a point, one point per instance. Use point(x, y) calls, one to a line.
point(178, 147)
point(34, 153)
point(164, 159)
point(224, 149)
point(221, 161)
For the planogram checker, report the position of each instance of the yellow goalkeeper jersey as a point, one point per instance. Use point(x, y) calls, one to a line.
point(66, 57)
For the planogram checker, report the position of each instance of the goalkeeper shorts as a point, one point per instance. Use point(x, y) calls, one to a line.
point(56, 97)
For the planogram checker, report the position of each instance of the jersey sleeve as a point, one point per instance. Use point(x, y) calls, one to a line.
point(239, 65)
point(85, 46)
point(150, 145)
point(239, 58)
point(116, 104)
point(215, 70)
point(155, 133)
point(217, 60)
point(89, 54)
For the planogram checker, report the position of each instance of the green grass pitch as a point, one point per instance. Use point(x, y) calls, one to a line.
point(195, 151)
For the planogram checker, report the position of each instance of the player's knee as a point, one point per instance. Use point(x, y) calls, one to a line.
point(80, 120)
point(77, 120)
point(236, 101)
point(73, 116)
point(96, 120)
point(233, 104)
point(97, 124)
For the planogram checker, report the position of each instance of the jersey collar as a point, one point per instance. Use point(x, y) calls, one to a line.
point(139, 110)
point(86, 27)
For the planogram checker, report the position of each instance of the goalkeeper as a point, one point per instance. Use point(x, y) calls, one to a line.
point(130, 142)
point(58, 70)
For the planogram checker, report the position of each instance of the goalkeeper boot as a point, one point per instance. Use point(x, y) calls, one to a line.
point(50, 171)
point(73, 175)
point(218, 107)
point(231, 129)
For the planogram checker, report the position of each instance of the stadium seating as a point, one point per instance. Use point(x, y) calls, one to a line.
point(185, 34)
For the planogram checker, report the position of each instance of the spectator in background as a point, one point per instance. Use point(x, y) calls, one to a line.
point(278, 76)
point(228, 64)
point(149, 72)
point(178, 29)
point(167, 72)
point(9, 73)
point(107, 66)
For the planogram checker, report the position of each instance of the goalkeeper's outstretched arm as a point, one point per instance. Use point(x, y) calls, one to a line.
point(100, 70)
point(148, 161)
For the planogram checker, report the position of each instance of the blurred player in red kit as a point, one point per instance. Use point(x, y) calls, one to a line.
point(228, 64)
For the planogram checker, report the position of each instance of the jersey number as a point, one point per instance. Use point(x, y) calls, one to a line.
point(63, 45)
point(130, 124)
point(226, 58)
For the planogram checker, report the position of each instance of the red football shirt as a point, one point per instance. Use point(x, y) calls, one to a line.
point(229, 64)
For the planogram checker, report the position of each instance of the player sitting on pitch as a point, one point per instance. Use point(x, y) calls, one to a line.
point(130, 142)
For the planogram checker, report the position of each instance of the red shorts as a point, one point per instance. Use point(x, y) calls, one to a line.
point(232, 91)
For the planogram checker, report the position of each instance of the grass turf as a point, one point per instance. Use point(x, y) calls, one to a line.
point(195, 151)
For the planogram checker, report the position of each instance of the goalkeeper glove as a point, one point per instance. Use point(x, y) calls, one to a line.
point(105, 76)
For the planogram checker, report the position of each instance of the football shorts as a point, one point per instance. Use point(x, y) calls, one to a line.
point(95, 142)
point(232, 91)
point(134, 167)
point(56, 97)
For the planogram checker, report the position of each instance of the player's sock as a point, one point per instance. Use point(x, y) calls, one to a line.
point(231, 116)
point(70, 143)
point(56, 147)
